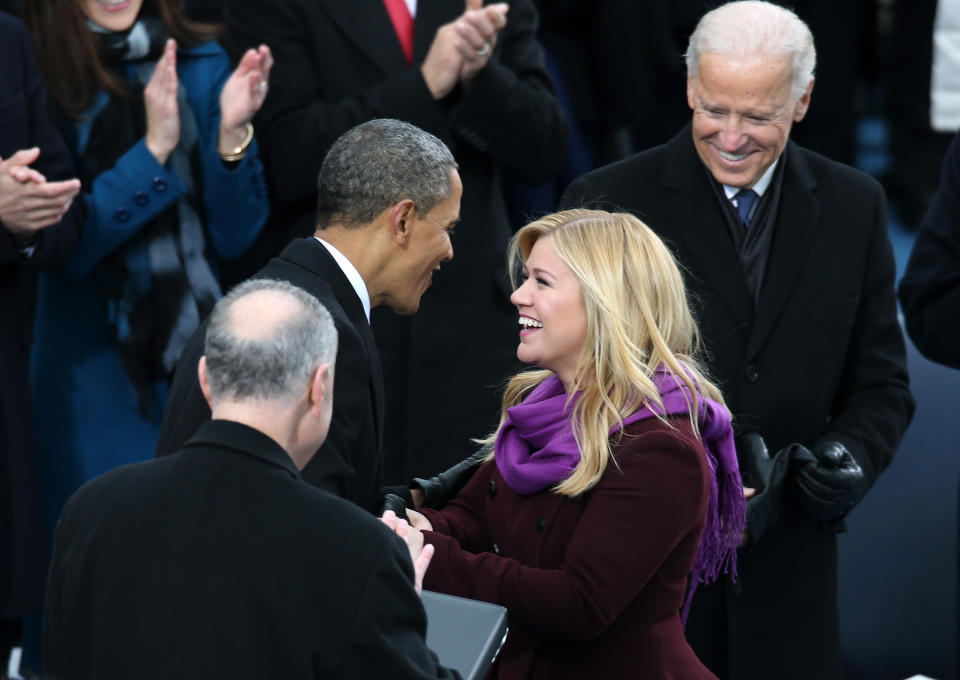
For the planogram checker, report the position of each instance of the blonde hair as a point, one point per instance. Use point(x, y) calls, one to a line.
point(638, 320)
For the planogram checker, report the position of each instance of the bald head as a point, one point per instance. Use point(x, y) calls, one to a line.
point(264, 341)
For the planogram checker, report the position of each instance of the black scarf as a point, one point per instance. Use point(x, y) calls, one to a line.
point(158, 284)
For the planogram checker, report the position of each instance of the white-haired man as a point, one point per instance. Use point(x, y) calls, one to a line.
point(787, 255)
point(221, 561)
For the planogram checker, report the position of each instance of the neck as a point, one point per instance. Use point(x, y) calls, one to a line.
point(361, 246)
point(279, 422)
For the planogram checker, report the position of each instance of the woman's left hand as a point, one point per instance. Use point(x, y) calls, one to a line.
point(243, 95)
point(418, 521)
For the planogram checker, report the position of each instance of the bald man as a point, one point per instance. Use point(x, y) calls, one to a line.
point(220, 560)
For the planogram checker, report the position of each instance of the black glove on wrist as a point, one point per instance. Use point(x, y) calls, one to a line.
point(829, 482)
point(767, 476)
point(439, 490)
point(393, 502)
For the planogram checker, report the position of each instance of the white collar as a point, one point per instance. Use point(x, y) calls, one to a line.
point(761, 186)
point(353, 276)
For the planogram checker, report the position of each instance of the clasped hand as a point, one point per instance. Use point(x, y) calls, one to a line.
point(463, 47)
point(242, 96)
point(420, 554)
point(28, 202)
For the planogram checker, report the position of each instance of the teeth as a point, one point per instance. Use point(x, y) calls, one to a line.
point(732, 156)
point(530, 323)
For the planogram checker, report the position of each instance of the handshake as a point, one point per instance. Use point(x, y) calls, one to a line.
point(826, 480)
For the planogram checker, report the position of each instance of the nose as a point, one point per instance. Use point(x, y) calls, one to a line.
point(519, 297)
point(447, 256)
point(731, 135)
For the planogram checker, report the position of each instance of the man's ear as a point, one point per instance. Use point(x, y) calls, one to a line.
point(803, 104)
point(204, 381)
point(318, 390)
point(401, 217)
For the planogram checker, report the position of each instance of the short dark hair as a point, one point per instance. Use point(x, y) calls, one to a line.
point(377, 164)
point(278, 365)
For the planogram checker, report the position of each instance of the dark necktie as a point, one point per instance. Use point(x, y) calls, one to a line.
point(402, 24)
point(744, 200)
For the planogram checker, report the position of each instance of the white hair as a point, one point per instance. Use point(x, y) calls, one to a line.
point(752, 28)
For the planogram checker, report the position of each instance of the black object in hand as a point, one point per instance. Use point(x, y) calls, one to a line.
point(829, 482)
point(765, 474)
point(440, 489)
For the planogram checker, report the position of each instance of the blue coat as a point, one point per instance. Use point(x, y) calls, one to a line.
point(86, 406)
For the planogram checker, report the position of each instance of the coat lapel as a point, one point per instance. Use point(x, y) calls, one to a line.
point(693, 211)
point(313, 256)
point(368, 25)
point(798, 220)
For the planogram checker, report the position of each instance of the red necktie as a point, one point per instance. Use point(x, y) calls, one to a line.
point(402, 24)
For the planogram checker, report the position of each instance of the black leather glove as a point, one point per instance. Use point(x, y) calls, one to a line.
point(393, 502)
point(439, 490)
point(765, 474)
point(829, 482)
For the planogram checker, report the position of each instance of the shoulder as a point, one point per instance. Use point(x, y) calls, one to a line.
point(831, 175)
point(671, 447)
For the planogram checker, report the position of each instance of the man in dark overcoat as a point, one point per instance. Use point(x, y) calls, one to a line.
point(474, 77)
point(39, 226)
point(220, 561)
point(389, 199)
point(787, 259)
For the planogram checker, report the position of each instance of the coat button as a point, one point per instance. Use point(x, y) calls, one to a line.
point(121, 215)
point(751, 373)
point(141, 199)
point(493, 488)
point(159, 184)
point(736, 588)
point(540, 524)
point(496, 549)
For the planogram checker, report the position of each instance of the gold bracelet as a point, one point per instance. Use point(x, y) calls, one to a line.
point(240, 151)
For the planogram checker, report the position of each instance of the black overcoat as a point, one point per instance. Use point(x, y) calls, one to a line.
point(821, 356)
point(23, 125)
point(220, 562)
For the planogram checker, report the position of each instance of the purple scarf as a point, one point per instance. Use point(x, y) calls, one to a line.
point(536, 449)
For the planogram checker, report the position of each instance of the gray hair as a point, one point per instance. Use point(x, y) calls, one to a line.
point(270, 357)
point(377, 164)
point(752, 28)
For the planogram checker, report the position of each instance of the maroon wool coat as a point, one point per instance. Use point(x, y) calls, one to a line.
point(593, 585)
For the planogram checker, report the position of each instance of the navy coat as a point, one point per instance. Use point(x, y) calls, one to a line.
point(24, 124)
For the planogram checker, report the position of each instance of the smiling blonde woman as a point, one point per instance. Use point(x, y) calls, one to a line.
point(613, 487)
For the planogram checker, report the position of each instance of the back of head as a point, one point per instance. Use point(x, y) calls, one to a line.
point(264, 341)
point(638, 321)
point(755, 29)
point(377, 164)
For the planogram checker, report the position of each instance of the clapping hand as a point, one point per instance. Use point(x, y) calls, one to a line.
point(160, 101)
point(242, 96)
point(478, 28)
point(28, 202)
point(464, 46)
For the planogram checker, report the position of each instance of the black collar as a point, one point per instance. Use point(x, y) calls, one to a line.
point(243, 439)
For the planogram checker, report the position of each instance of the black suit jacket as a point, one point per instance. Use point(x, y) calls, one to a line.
point(220, 562)
point(339, 64)
point(349, 464)
point(821, 356)
point(930, 288)
point(24, 124)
